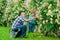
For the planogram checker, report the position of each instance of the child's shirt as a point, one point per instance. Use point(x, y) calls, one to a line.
point(32, 21)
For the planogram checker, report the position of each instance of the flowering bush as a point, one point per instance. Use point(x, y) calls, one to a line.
point(48, 12)
point(48, 15)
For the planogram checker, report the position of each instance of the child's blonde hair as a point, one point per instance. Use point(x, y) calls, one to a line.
point(33, 11)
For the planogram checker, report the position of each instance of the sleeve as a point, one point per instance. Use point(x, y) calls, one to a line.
point(23, 19)
point(30, 16)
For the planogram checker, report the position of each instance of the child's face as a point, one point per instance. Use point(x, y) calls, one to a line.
point(33, 14)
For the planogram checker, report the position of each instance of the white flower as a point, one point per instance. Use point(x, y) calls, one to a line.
point(58, 15)
point(40, 25)
point(40, 2)
point(40, 17)
point(51, 19)
point(58, 3)
point(46, 20)
point(45, 10)
point(51, 22)
point(51, 15)
point(7, 9)
point(49, 12)
point(57, 20)
point(16, 16)
point(49, 6)
point(43, 22)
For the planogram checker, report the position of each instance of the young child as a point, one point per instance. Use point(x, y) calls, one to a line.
point(19, 24)
point(32, 22)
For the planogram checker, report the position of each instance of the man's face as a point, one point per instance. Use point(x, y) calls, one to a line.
point(23, 14)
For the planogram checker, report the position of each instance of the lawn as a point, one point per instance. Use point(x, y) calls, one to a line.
point(4, 35)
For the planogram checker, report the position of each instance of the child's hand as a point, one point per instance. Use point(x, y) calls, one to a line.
point(36, 17)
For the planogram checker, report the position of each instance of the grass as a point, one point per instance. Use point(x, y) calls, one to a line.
point(4, 35)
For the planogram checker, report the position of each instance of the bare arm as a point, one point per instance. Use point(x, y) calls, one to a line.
point(32, 19)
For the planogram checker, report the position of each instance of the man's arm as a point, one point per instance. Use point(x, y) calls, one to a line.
point(26, 20)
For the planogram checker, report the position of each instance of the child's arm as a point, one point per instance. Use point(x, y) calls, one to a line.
point(29, 19)
point(32, 18)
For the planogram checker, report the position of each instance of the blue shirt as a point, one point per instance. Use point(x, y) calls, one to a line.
point(32, 21)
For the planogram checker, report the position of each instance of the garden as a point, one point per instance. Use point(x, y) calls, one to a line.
point(47, 25)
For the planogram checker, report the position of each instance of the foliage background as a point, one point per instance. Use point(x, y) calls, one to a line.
point(47, 10)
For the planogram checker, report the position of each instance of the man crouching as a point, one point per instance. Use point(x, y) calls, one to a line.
point(19, 24)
